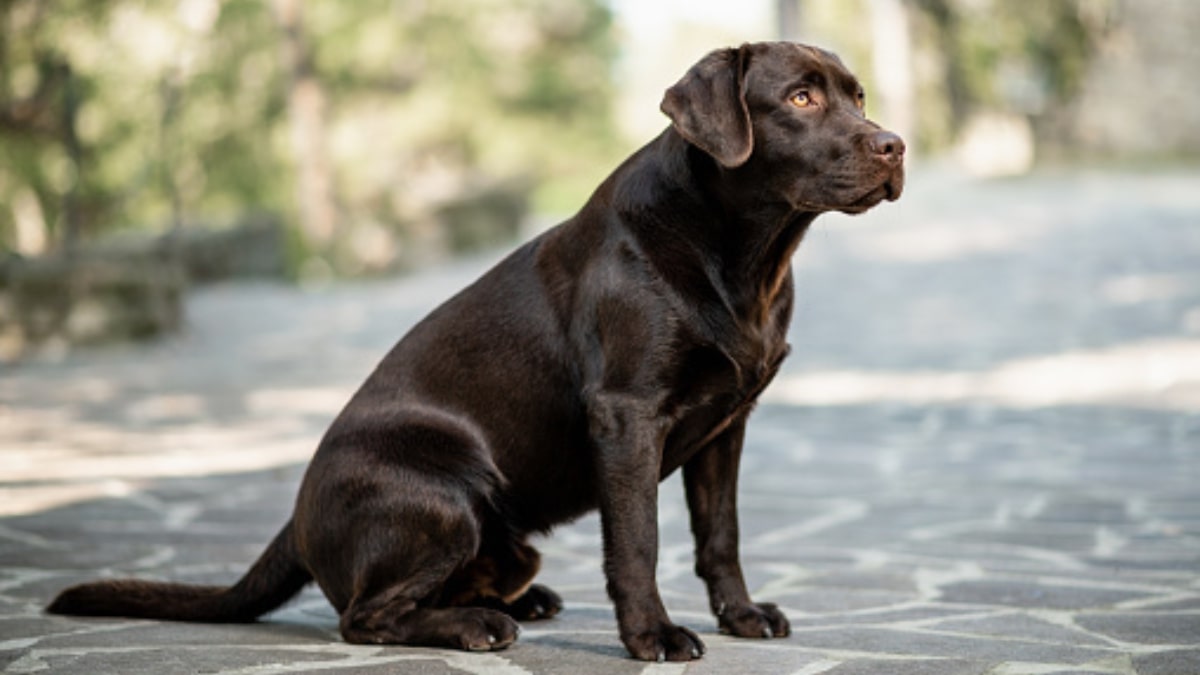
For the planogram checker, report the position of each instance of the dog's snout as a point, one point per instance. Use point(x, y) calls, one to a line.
point(887, 146)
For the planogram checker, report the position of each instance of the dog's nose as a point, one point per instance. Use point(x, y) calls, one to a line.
point(887, 145)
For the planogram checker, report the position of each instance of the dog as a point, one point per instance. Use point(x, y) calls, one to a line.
point(627, 342)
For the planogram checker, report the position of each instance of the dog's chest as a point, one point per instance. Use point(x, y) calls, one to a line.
point(715, 387)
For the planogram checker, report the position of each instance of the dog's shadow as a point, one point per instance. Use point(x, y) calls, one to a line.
point(582, 635)
point(579, 635)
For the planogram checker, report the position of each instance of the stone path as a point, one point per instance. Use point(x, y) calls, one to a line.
point(982, 457)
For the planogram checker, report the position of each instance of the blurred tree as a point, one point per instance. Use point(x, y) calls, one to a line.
point(1024, 59)
point(1150, 44)
point(130, 114)
point(434, 102)
point(111, 132)
point(787, 18)
point(1019, 57)
point(315, 211)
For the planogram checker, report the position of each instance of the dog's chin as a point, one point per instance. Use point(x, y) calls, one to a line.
point(881, 189)
point(888, 190)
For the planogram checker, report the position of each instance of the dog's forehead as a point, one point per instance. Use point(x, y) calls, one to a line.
point(787, 62)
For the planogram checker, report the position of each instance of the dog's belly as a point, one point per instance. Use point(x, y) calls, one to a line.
point(550, 479)
point(558, 482)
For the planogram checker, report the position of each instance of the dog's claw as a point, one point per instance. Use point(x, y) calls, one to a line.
point(667, 643)
point(754, 621)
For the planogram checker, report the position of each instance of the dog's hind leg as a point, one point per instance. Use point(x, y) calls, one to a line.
point(395, 619)
point(399, 571)
point(536, 603)
point(389, 510)
point(500, 578)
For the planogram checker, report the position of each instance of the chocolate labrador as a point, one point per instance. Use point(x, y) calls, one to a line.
point(627, 342)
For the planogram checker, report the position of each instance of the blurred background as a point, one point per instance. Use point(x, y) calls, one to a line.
point(148, 146)
point(217, 216)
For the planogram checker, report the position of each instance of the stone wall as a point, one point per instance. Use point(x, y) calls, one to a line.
point(126, 288)
point(51, 304)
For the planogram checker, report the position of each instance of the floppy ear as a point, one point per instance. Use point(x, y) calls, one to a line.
point(708, 107)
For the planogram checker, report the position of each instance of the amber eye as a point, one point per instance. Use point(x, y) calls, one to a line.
point(801, 99)
point(860, 100)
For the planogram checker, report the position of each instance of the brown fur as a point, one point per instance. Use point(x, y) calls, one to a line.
point(630, 341)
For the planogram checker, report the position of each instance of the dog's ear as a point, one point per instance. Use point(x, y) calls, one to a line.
point(708, 107)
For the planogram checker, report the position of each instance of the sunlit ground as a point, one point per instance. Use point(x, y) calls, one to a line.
point(1063, 289)
point(1162, 374)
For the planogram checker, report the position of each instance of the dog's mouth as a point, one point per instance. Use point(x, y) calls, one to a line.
point(880, 189)
point(888, 190)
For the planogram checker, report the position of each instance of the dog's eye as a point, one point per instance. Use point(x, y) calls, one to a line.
point(801, 99)
point(860, 99)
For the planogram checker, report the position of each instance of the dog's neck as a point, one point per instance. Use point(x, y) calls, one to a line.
point(741, 245)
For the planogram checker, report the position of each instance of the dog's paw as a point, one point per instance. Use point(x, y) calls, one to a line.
point(481, 630)
point(538, 602)
point(758, 620)
point(667, 642)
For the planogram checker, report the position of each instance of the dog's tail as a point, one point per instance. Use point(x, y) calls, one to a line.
point(275, 578)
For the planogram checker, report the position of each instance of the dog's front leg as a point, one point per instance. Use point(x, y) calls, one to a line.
point(710, 478)
point(628, 447)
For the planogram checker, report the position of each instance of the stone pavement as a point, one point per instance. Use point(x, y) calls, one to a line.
point(982, 457)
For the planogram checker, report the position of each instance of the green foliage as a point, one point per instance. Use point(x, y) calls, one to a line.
point(170, 117)
point(182, 107)
point(1014, 56)
point(1019, 57)
point(455, 88)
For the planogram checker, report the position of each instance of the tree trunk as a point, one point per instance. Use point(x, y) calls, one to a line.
point(787, 14)
point(306, 112)
point(70, 138)
point(892, 61)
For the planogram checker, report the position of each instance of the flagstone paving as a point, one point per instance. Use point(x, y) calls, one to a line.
point(983, 457)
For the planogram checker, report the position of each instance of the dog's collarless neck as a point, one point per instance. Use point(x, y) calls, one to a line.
point(743, 247)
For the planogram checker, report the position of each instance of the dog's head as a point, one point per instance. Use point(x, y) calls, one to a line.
point(792, 116)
